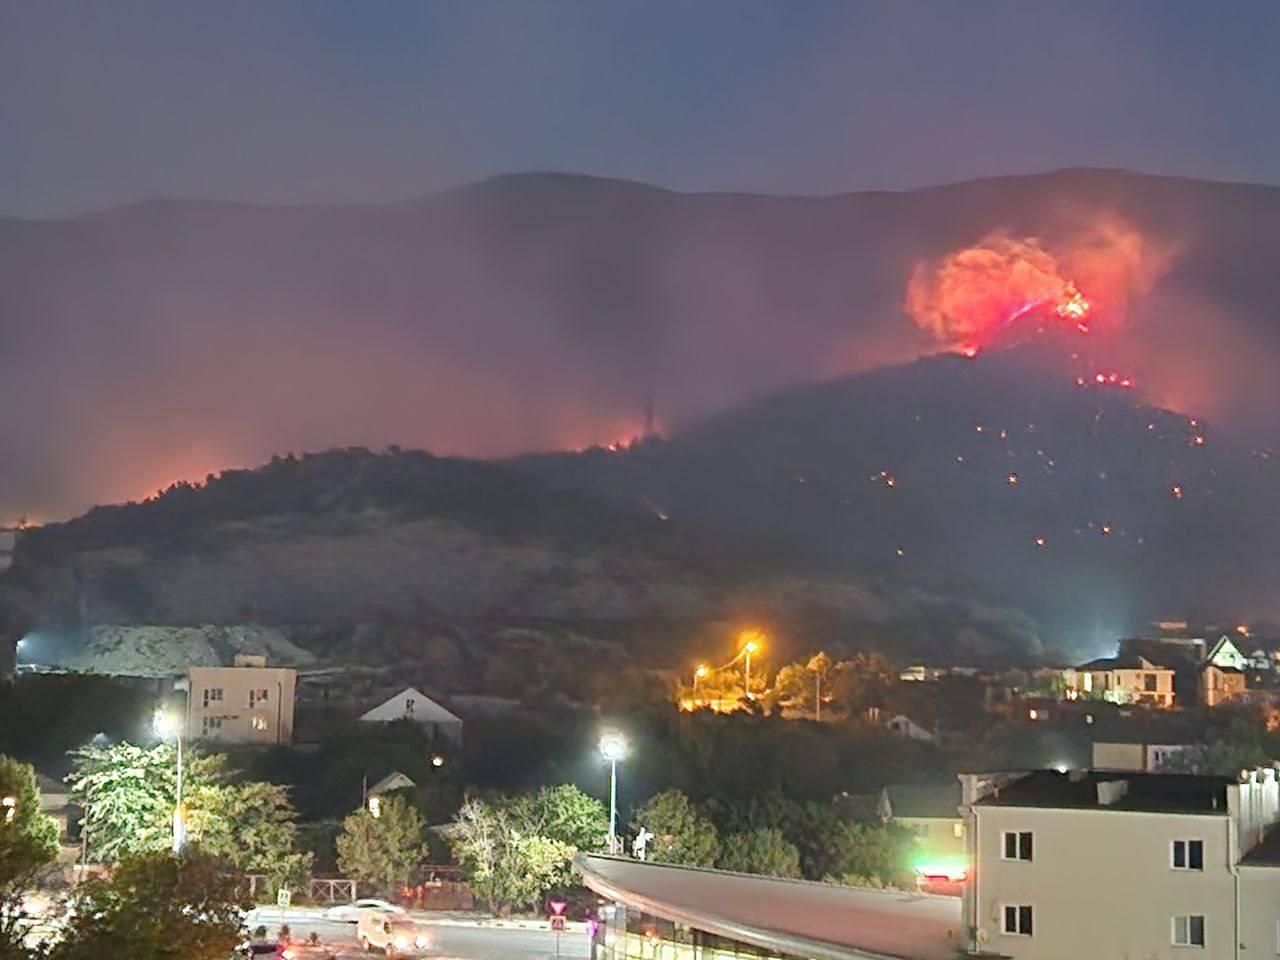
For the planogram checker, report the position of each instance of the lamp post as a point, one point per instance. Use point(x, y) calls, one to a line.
point(699, 674)
point(750, 640)
point(613, 747)
point(167, 725)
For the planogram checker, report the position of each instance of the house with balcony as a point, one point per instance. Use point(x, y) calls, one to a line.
point(1124, 679)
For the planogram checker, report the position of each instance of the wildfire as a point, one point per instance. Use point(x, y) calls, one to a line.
point(1003, 289)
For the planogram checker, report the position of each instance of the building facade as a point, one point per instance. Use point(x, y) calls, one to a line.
point(245, 703)
point(1092, 864)
point(1121, 680)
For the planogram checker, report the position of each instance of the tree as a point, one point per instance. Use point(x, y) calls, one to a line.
point(386, 850)
point(872, 854)
point(127, 793)
point(867, 680)
point(798, 686)
point(518, 849)
point(682, 834)
point(153, 907)
point(763, 850)
point(28, 843)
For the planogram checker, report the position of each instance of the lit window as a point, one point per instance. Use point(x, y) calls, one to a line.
point(1017, 846)
point(1188, 931)
point(259, 723)
point(1017, 920)
point(1188, 854)
point(958, 830)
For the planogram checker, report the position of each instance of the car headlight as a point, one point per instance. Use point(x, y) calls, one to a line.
point(402, 943)
point(422, 941)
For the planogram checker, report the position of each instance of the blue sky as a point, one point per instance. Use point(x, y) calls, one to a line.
point(105, 103)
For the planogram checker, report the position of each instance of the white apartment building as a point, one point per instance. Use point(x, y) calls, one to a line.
point(1129, 679)
point(1130, 866)
point(246, 703)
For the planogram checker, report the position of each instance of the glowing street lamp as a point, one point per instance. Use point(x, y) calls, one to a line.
point(752, 641)
point(699, 674)
point(9, 804)
point(613, 747)
point(166, 725)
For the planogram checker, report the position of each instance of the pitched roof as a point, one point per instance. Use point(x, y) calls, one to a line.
point(925, 800)
point(395, 780)
point(411, 704)
point(1146, 792)
point(1130, 661)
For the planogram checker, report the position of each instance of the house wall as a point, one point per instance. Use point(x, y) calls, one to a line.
point(939, 838)
point(1259, 911)
point(1101, 883)
point(1119, 756)
point(270, 721)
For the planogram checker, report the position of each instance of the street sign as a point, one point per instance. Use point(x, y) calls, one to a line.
point(557, 923)
point(284, 897)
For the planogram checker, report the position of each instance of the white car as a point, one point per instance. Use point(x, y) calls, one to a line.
point(396, 935)
point(352, 912)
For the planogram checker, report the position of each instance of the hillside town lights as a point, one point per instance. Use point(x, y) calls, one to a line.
point(613, 747)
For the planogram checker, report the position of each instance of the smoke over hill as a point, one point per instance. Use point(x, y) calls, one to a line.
point(167, 340)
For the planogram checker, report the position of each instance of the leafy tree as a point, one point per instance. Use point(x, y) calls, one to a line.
point(681, 833)
point(799, 685)
point(566, 814)
point(518, 849)
point(155, 907)
point(872, 854)
point(128, 793)
point(28, 842)
point(385, 851)
point(868, 680)
point(764, 851)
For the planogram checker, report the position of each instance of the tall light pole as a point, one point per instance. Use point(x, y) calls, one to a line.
point(613, 747)
point(699, 674)
point(750, 640)
point(167, 725)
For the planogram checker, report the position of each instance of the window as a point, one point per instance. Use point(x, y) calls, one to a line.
point(1017, 846)
point(1188, 931)
point(958, 830)
point(1188, 854)
point(1149, 683)
point(1017, 920)
point(408, 707)
point(256, 697)
point(259, 723)
point(212, 695)
point(210, 725)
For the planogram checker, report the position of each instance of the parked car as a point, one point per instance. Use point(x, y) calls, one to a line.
point(351, 912)
point(395, 934)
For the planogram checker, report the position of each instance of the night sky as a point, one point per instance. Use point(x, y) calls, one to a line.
point(108, 103)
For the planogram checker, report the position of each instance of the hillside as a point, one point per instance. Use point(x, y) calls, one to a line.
point(1001, 478)
point(538, 312)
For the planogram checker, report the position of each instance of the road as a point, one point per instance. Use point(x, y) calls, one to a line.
point(449, 941)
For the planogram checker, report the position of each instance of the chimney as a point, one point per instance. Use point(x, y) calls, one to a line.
point(1111, 792)
point(249, 660)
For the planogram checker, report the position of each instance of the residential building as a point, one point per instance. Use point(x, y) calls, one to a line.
point(1097, 864)
point(1219, 684)
point(1123, 679)
point(1226, 654)
point(245, 703)
point(932, 812)
point(1133, 756)
point(417, 707)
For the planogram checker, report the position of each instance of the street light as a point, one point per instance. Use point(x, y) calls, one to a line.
point(9, 804)
point(751, 641)
point(699, 674)
point(613, 747)
point(168, 725)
